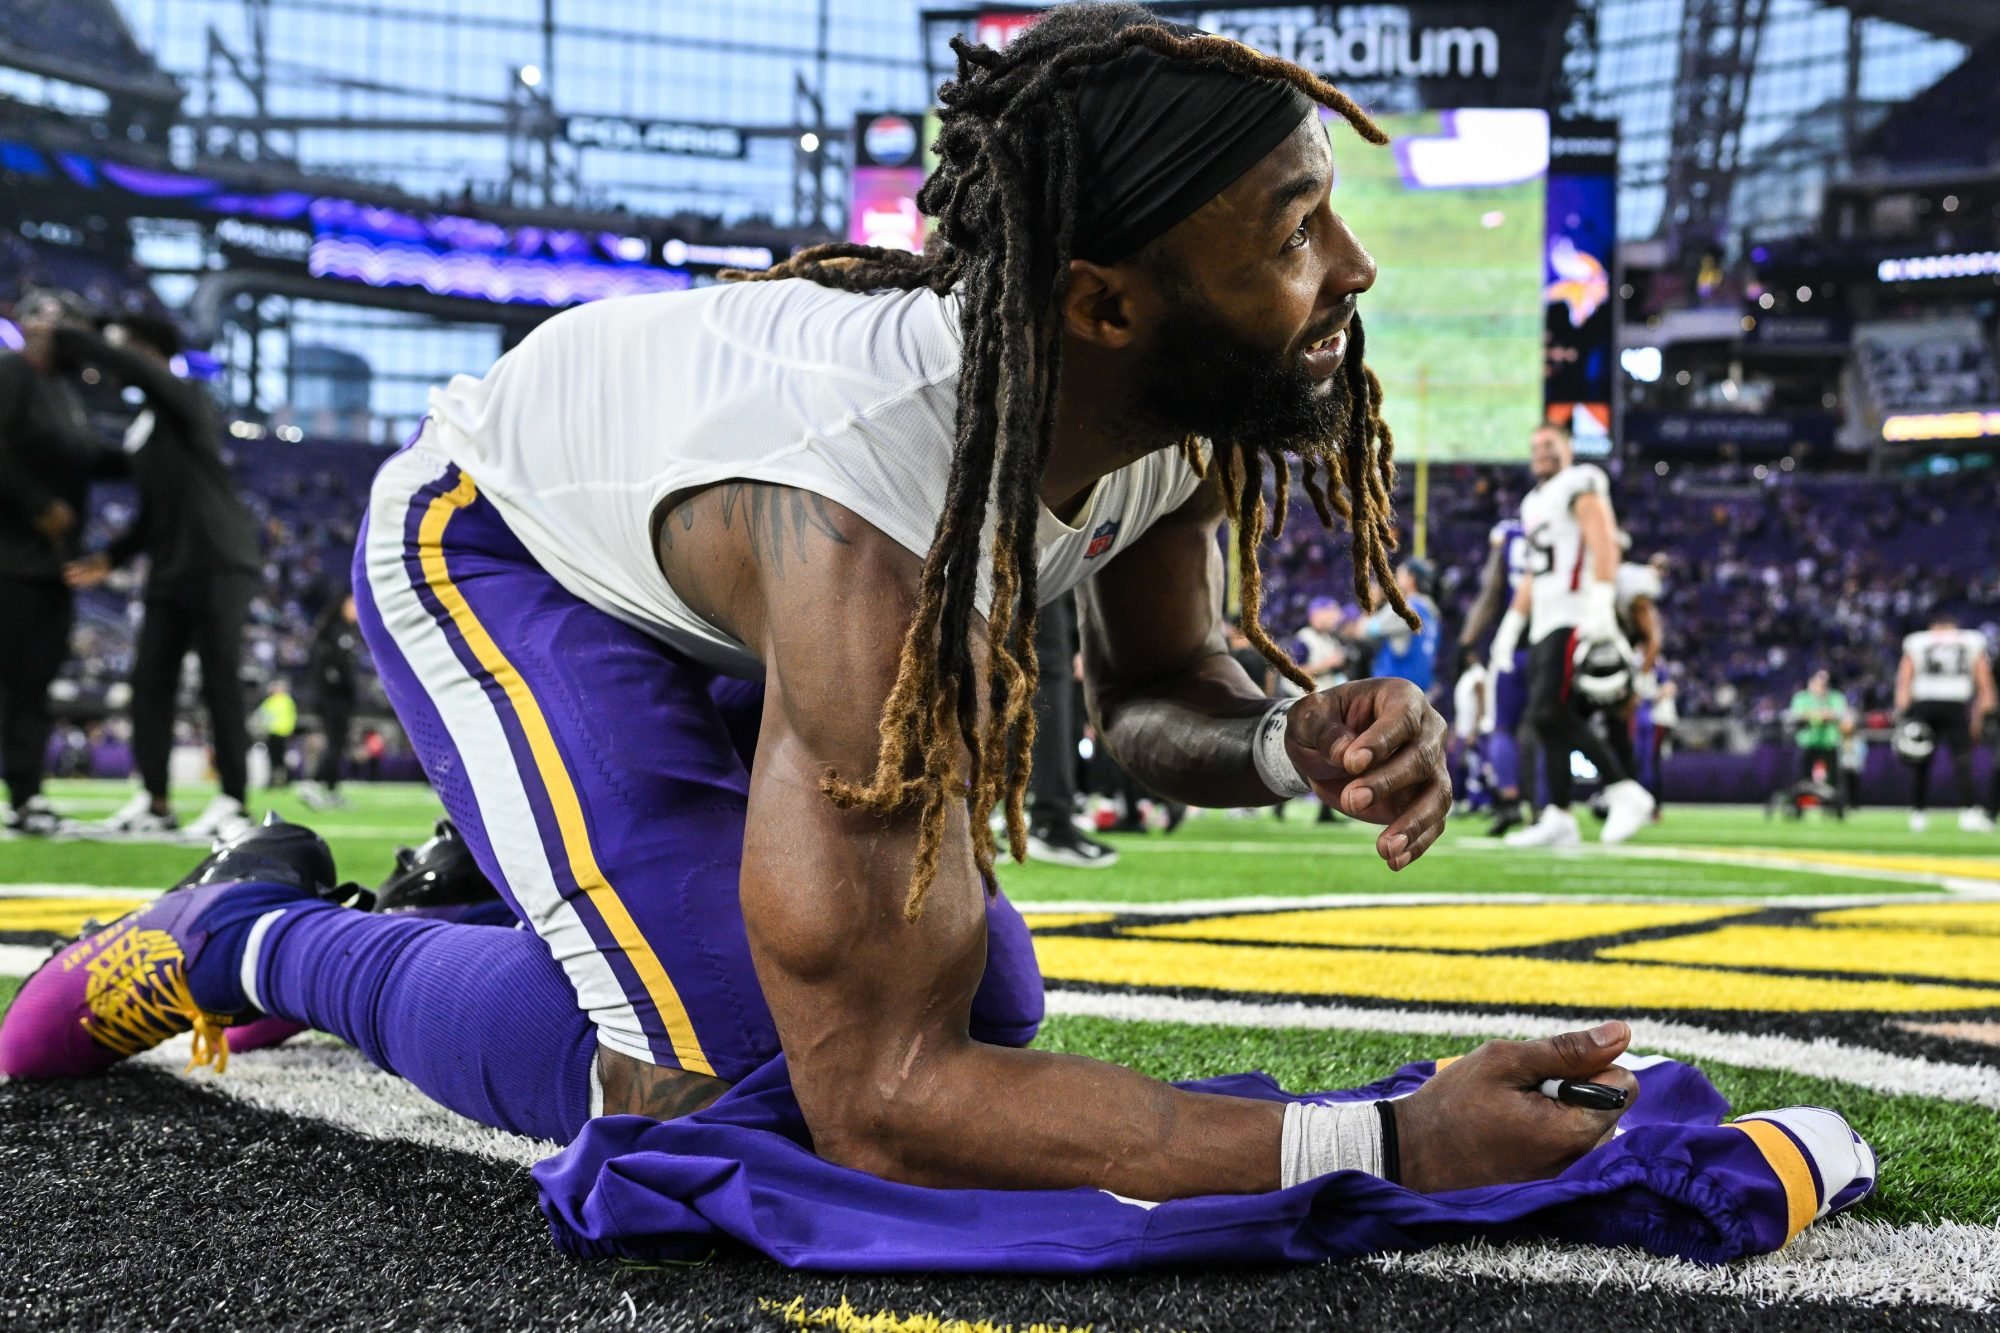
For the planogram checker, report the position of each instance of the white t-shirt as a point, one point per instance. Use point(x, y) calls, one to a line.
point(604, 411)
point(1944, 659)
point(1555, 547)
point(1472, 702)
point(1315, 646)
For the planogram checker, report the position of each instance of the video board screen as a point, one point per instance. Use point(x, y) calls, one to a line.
point(1455, 214)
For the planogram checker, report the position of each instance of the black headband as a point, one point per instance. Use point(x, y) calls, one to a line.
point(1163, 136)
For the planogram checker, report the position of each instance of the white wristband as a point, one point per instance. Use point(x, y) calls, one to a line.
point(1275, 768)
point(1345, 1136)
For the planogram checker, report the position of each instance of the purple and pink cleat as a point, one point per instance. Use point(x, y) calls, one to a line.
point(149, 976)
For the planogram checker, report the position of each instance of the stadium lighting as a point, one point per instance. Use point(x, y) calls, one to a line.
point(530, 75)
point(1641, 363)
point(1976, 264)
point(290, 434)
point(1767, 300)
point(809, 142)
point(1951, 203)
point(1804, 294)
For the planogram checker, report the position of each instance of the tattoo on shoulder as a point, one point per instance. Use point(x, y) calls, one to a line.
point(777, 519)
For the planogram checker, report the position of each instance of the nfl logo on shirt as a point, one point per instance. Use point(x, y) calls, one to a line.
point(1100, 540)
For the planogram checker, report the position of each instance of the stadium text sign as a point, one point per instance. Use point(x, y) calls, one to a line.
point(1420, 54)
point(1367, 47)
point(653, 136)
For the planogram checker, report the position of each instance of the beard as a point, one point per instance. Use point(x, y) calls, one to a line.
point(1205, 378)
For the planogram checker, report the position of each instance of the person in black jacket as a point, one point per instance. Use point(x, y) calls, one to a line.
point(330, 675)
point(48, 457)
point(202, 545)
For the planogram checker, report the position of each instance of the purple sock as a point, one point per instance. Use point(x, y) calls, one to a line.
point(479, 1017)
point(1503, 756)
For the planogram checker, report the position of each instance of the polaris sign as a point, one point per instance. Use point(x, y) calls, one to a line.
point(654, 136)
point(1365, 47)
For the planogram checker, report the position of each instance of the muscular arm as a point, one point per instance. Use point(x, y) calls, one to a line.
point(1177, 710)
point(1162, 689)
point(872, 1010)
point(1600, 537)
point(1906, 675)
point(1492, 600)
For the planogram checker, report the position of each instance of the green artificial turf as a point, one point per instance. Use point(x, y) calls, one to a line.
point(1213, 855)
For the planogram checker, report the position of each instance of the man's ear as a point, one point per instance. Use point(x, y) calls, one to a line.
point(1099, 307)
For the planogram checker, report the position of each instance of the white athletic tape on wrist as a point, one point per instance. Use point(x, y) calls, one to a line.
point(1275, 768)
point(1346, 1136)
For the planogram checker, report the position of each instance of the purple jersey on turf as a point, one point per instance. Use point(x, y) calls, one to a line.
point(1677, 1181)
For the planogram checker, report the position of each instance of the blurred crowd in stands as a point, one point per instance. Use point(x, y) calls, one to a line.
point(1768, 578)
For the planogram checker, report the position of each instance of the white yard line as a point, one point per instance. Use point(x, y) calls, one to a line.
point(1312, 901)
point(1822, 1058)
point(18, 960)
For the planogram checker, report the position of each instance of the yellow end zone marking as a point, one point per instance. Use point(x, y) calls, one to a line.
point(63, 916)
point(1979, 918)
point(844, 1318)
point(1479, 926)
point(1479, 979)
point(1853, 949)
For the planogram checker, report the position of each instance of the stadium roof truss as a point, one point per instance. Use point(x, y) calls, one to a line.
point(1967, 21)
point(1718, 54)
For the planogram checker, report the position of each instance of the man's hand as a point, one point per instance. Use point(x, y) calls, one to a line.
point(87, 572)
point(55, 520)
point(1482, 1120)
point(1374, 749)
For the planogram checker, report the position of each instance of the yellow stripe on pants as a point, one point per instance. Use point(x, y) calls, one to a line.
point(555, 780)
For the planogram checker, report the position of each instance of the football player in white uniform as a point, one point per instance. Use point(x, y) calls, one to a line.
point(1509, 746)
point(1568, 605)
point(1945, 681)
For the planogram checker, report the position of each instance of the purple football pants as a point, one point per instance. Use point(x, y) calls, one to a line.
point(601, 780)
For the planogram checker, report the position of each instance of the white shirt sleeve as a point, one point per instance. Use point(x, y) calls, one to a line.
point(1581, 479)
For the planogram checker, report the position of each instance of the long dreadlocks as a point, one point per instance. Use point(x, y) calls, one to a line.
point(1004, 201)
